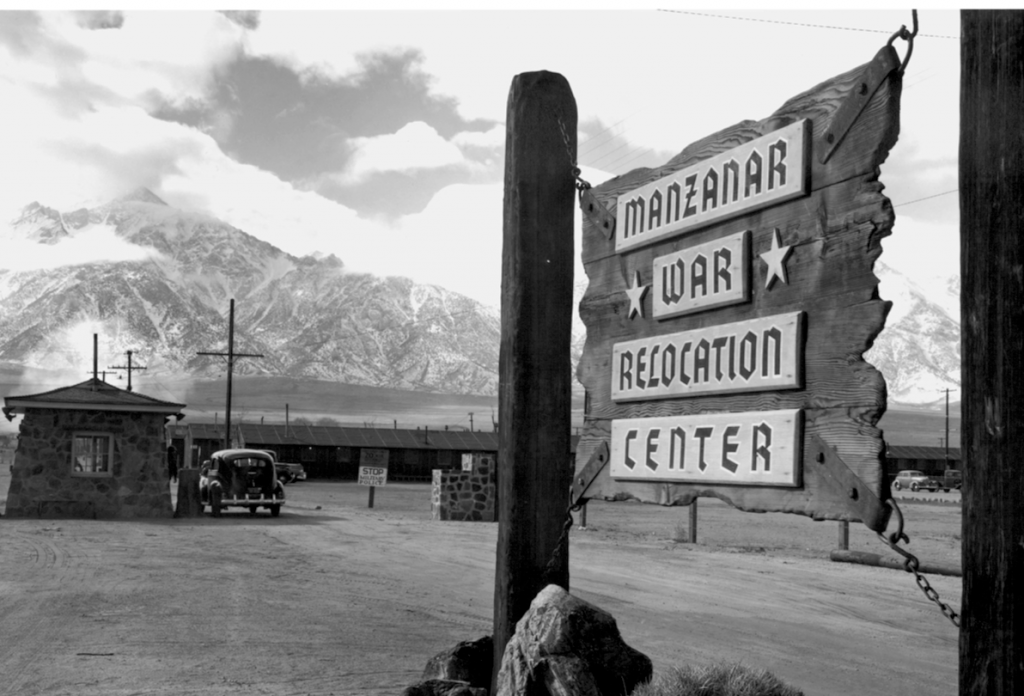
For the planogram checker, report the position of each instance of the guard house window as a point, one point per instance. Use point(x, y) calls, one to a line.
point(92, 454)
point(308, 454)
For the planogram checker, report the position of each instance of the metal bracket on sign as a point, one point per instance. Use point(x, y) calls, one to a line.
point(581, 481)
point(860, 499)
point(886, 61)
point(596, 212)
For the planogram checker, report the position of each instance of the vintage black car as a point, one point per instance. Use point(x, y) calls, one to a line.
point(240, 478)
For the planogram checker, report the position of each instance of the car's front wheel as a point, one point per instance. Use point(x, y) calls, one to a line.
point(897, 485)
point(915, 487)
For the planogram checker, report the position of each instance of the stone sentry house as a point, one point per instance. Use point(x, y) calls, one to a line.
point(90, 450)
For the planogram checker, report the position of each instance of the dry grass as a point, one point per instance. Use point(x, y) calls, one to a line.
point(716, 680)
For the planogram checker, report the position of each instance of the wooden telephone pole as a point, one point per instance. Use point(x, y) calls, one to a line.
point(536, 310)
point(129, 367)
point(992, 322)
point(230, 355)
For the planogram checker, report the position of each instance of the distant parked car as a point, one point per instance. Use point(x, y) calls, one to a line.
point(290, 472)
point(240, 478)
point(915, 481)
point(952, 478)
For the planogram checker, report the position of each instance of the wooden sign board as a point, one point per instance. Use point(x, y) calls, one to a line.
point(745, 356)
point(702, 277)
point(759, 258)
point(752, 175)
point(373, 467)
point(760, 449)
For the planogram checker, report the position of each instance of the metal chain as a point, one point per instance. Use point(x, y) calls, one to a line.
point(556, 554)
point(581, 184)
point(911, 564)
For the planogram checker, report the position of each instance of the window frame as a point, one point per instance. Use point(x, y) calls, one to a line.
point(75, 435)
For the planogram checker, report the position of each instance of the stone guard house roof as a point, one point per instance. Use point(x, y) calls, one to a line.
point(94, 395)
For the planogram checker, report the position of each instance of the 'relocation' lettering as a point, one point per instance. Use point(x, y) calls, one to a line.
point(754, 355)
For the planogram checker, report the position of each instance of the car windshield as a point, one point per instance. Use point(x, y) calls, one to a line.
point(249, 462)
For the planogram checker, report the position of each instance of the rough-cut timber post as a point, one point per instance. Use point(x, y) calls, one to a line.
point(189, 503)
point(992, 321)
point(536, 313)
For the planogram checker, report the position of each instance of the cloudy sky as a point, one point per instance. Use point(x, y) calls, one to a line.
point(379, 136)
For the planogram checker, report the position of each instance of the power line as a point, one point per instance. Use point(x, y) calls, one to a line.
point(800, 24)
point(918, 200)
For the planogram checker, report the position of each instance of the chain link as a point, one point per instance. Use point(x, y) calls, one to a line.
point(581, 184)
point(552, 565)
point(911, 564)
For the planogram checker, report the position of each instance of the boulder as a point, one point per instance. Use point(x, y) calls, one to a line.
point(470, 661)
point(564, 646)
point(443, 687)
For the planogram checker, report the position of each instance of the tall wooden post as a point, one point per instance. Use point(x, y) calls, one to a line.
point(536, 313)
point(992, 312)
point(231, 355)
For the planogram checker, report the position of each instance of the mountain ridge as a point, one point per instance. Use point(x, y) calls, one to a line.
point(313, 318)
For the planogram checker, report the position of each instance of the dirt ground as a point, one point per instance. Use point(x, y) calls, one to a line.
point(335, 598)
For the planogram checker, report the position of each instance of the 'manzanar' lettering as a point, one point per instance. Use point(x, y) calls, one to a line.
point(762, 172)
point(745, 356)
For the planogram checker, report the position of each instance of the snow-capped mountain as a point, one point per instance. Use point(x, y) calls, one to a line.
point(308, 316)
point(158, 281)
point(919, 349)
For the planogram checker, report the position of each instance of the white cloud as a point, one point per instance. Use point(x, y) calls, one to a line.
point(174, 54)
point(495, 137)
point(90, 244)
point(415, 146)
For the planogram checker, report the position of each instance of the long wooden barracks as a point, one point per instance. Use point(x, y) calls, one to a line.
point(333, 452)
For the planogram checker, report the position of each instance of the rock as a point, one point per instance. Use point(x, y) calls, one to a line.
point(470, 661)
point(444, 687)
point(564, 646)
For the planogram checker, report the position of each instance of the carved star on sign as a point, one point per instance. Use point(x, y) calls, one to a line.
point(636, 293)
point(776, 260)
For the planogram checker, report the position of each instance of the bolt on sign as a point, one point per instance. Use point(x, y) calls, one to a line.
point(373, 467)
point(729, 309)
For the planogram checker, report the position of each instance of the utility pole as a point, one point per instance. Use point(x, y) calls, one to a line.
point(129, 367)
point(991, 179)
point(471, 428)
point(101, 372)
point(230, 355)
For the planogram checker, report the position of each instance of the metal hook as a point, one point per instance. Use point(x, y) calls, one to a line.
point(907, 36)
point(897, 536)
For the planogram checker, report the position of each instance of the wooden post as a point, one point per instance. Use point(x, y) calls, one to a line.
point(370, 503)
point(992, 311)
point(189, 503)
point(844, 536)
point(583, 516)
point(693, 521)
point(536, 315)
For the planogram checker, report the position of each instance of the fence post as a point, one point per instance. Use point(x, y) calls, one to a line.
point(693, 521)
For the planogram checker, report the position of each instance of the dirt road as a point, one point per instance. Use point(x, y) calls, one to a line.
point(348, 600)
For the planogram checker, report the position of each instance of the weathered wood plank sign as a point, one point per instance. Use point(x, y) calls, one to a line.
point(728, 312)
